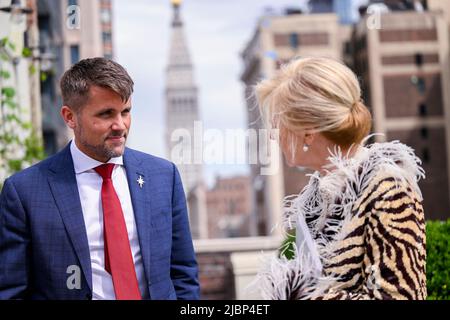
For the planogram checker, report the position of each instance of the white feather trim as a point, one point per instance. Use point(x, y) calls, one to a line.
point(326, 203)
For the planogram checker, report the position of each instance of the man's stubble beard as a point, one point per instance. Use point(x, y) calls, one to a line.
point(102, 150)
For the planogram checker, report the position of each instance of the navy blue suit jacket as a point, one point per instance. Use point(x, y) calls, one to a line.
point(42, 231)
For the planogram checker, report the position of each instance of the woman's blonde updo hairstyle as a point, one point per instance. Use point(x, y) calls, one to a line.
point(316, 94)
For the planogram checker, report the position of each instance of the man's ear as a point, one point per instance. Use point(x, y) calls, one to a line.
point(68, 116)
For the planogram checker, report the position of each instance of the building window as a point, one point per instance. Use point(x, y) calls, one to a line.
point(421, 85)
point(425, 155)
point(106, 16)
point(348, 47)
point(419, 59)
point(423, 110)
point(419, 82)
point(74, 54)
point(107, 37)
point(424, 133)
point(50, 144)
point(293, 40)
point(424, 4)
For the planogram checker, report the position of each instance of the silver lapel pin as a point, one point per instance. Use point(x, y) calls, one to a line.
point(140, 181)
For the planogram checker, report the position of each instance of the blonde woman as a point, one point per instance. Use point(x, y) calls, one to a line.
point(359, 222)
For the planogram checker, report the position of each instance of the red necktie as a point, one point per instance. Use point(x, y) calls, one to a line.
point(118, 258)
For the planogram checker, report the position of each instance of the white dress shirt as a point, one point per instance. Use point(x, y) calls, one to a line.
point(89, 187)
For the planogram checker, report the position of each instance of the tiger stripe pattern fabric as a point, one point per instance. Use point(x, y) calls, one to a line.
point(383, 256)
point(367, 222)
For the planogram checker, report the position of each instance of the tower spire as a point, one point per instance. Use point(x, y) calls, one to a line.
point(181, 97)
point(176, 13)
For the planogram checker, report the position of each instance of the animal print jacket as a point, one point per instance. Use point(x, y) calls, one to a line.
point(365, 225)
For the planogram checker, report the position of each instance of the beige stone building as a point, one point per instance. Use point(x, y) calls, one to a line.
point(404, 67)
point(276, 40)
point(182, 115)
point(86, 34)
point(70, 30)
point(106, 18)
point(444, 7)
point(440, 5)
point(182, 105)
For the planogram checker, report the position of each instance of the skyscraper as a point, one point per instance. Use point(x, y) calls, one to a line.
point(276, 40)
point(69, 30)
point(107, 28)
point(404, 69)
point(181, 105)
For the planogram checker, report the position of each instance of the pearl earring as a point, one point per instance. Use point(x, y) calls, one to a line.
point(305, 148)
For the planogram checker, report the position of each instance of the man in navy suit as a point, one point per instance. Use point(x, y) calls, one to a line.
point(97, 220)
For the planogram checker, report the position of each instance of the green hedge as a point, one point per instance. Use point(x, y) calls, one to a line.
point(438, 258)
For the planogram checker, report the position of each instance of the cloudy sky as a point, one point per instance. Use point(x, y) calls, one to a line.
point(216, 31)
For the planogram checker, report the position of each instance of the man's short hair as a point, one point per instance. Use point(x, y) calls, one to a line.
point(101, 72)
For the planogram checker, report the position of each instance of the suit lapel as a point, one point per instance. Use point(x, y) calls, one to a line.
point(142, 206)
point(63, 184)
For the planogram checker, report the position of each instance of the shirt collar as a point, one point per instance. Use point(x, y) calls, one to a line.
point(82, 162)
